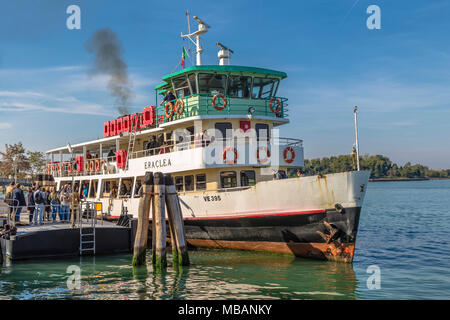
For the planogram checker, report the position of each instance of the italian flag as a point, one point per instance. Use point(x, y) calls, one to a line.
point(183, 56)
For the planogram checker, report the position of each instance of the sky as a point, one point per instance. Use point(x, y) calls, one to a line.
point(398, 75)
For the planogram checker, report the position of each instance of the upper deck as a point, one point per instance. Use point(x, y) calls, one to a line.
point(216, 91)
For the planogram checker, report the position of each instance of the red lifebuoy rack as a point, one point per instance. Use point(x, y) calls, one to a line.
point(106, 129)
point(285, 157)
point(168, 114)
point(271, 103)
point(179, 106)
point(112, 128)
point(225, 101)
point(267, 152)
point(224, 155)
point(149, 116)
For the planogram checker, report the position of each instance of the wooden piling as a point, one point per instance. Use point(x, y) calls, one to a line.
point(159, 222)
point(177, 234)
point(140, 242)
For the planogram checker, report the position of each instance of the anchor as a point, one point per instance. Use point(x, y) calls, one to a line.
point(333, 235)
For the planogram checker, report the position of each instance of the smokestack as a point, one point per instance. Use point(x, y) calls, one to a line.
point(107, 49)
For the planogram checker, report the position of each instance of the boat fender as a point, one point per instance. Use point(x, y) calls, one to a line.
point(167, 113)
point(225, 102)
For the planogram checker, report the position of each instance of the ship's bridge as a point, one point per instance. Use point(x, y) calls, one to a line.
point(217, 91)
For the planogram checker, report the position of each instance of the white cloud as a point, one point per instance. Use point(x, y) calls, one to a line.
point(5, 125)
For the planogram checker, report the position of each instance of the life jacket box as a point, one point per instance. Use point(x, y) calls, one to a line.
point(112, 128)
point(126, 127)
point(149, 114)
point(121, 158)
point(134, 121)
point(106, 129)
point(119, 126)
point(79, 161)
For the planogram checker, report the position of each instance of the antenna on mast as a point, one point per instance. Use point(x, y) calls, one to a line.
point(224, 54)
point(355, 110)
point(202, 28)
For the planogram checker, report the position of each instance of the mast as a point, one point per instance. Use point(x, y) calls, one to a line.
point(355, 109)
point(202, 28)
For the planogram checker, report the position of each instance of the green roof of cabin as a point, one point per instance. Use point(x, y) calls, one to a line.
point(218, 68)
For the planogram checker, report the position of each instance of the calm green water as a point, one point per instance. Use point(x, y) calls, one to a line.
point(403, 230)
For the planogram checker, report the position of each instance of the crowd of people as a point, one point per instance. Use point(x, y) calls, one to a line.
point(43, 203)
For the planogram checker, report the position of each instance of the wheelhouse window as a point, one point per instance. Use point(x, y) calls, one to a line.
point(200, 181)
point(239, 86)
point(193, 83)
point(228, 179)
point(211, 83)
point(264, 88)
point(189, 183)
point(179, 183)
point(248, 178)
point(181, 86)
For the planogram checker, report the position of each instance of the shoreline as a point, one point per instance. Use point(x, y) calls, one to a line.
point(405, 179)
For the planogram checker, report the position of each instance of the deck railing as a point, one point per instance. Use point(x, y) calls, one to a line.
point(203, 104)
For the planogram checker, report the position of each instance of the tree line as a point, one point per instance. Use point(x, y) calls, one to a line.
point(380, 167)
point(19, 163)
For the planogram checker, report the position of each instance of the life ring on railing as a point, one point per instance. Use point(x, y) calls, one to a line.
point(97, 166)
point(91, 166)
point(53, 168)
point(102, 164)
point(69, 168)
point(271, 103)
point(48, 169)
point(168, 114)
point(86, 166)
point(285, 157)
point(224, 155)
point(59, 168)
point(179, 107)
point(225, 101)
point(266, 158)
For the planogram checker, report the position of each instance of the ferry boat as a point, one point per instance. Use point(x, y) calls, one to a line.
point(219, 139)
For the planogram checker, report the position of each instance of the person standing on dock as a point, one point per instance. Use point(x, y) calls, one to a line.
point(19, 202)
point(47, 204)
point(55, 203)
point(76, 199)
point(31, 204)
point(39, 200)
point(65, 203)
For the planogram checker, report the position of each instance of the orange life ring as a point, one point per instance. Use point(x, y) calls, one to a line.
point(48, 169)
point(224, 155)
point(168, 114)
point(86, 166)
point(91, 166)
point(97, 166)
point(267, 154)
point(289, 149)
point(69, 168)
point(53, 167)
point(179, 107)
point(225, 101)
point(278, 102)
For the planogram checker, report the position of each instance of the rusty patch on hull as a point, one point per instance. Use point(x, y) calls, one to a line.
point(323, 251)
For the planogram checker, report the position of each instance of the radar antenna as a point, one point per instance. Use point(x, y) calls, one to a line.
point(202, 28)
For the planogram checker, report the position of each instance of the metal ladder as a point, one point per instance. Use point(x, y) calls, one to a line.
point(132, 139)
point(87, 245)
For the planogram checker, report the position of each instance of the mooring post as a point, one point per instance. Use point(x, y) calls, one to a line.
point(159, 222)
point(140, 242)
point(178, 237)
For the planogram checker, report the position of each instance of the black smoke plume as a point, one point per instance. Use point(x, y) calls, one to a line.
point(107, 49)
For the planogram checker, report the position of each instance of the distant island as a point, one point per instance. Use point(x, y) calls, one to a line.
point(381, 168)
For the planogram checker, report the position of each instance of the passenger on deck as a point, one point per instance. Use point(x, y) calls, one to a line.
point(75, 199)
point(137, 189)
point(123, 190)
point(47, 204)
point(151, 145)
point(111, 154)
point(168, 97)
